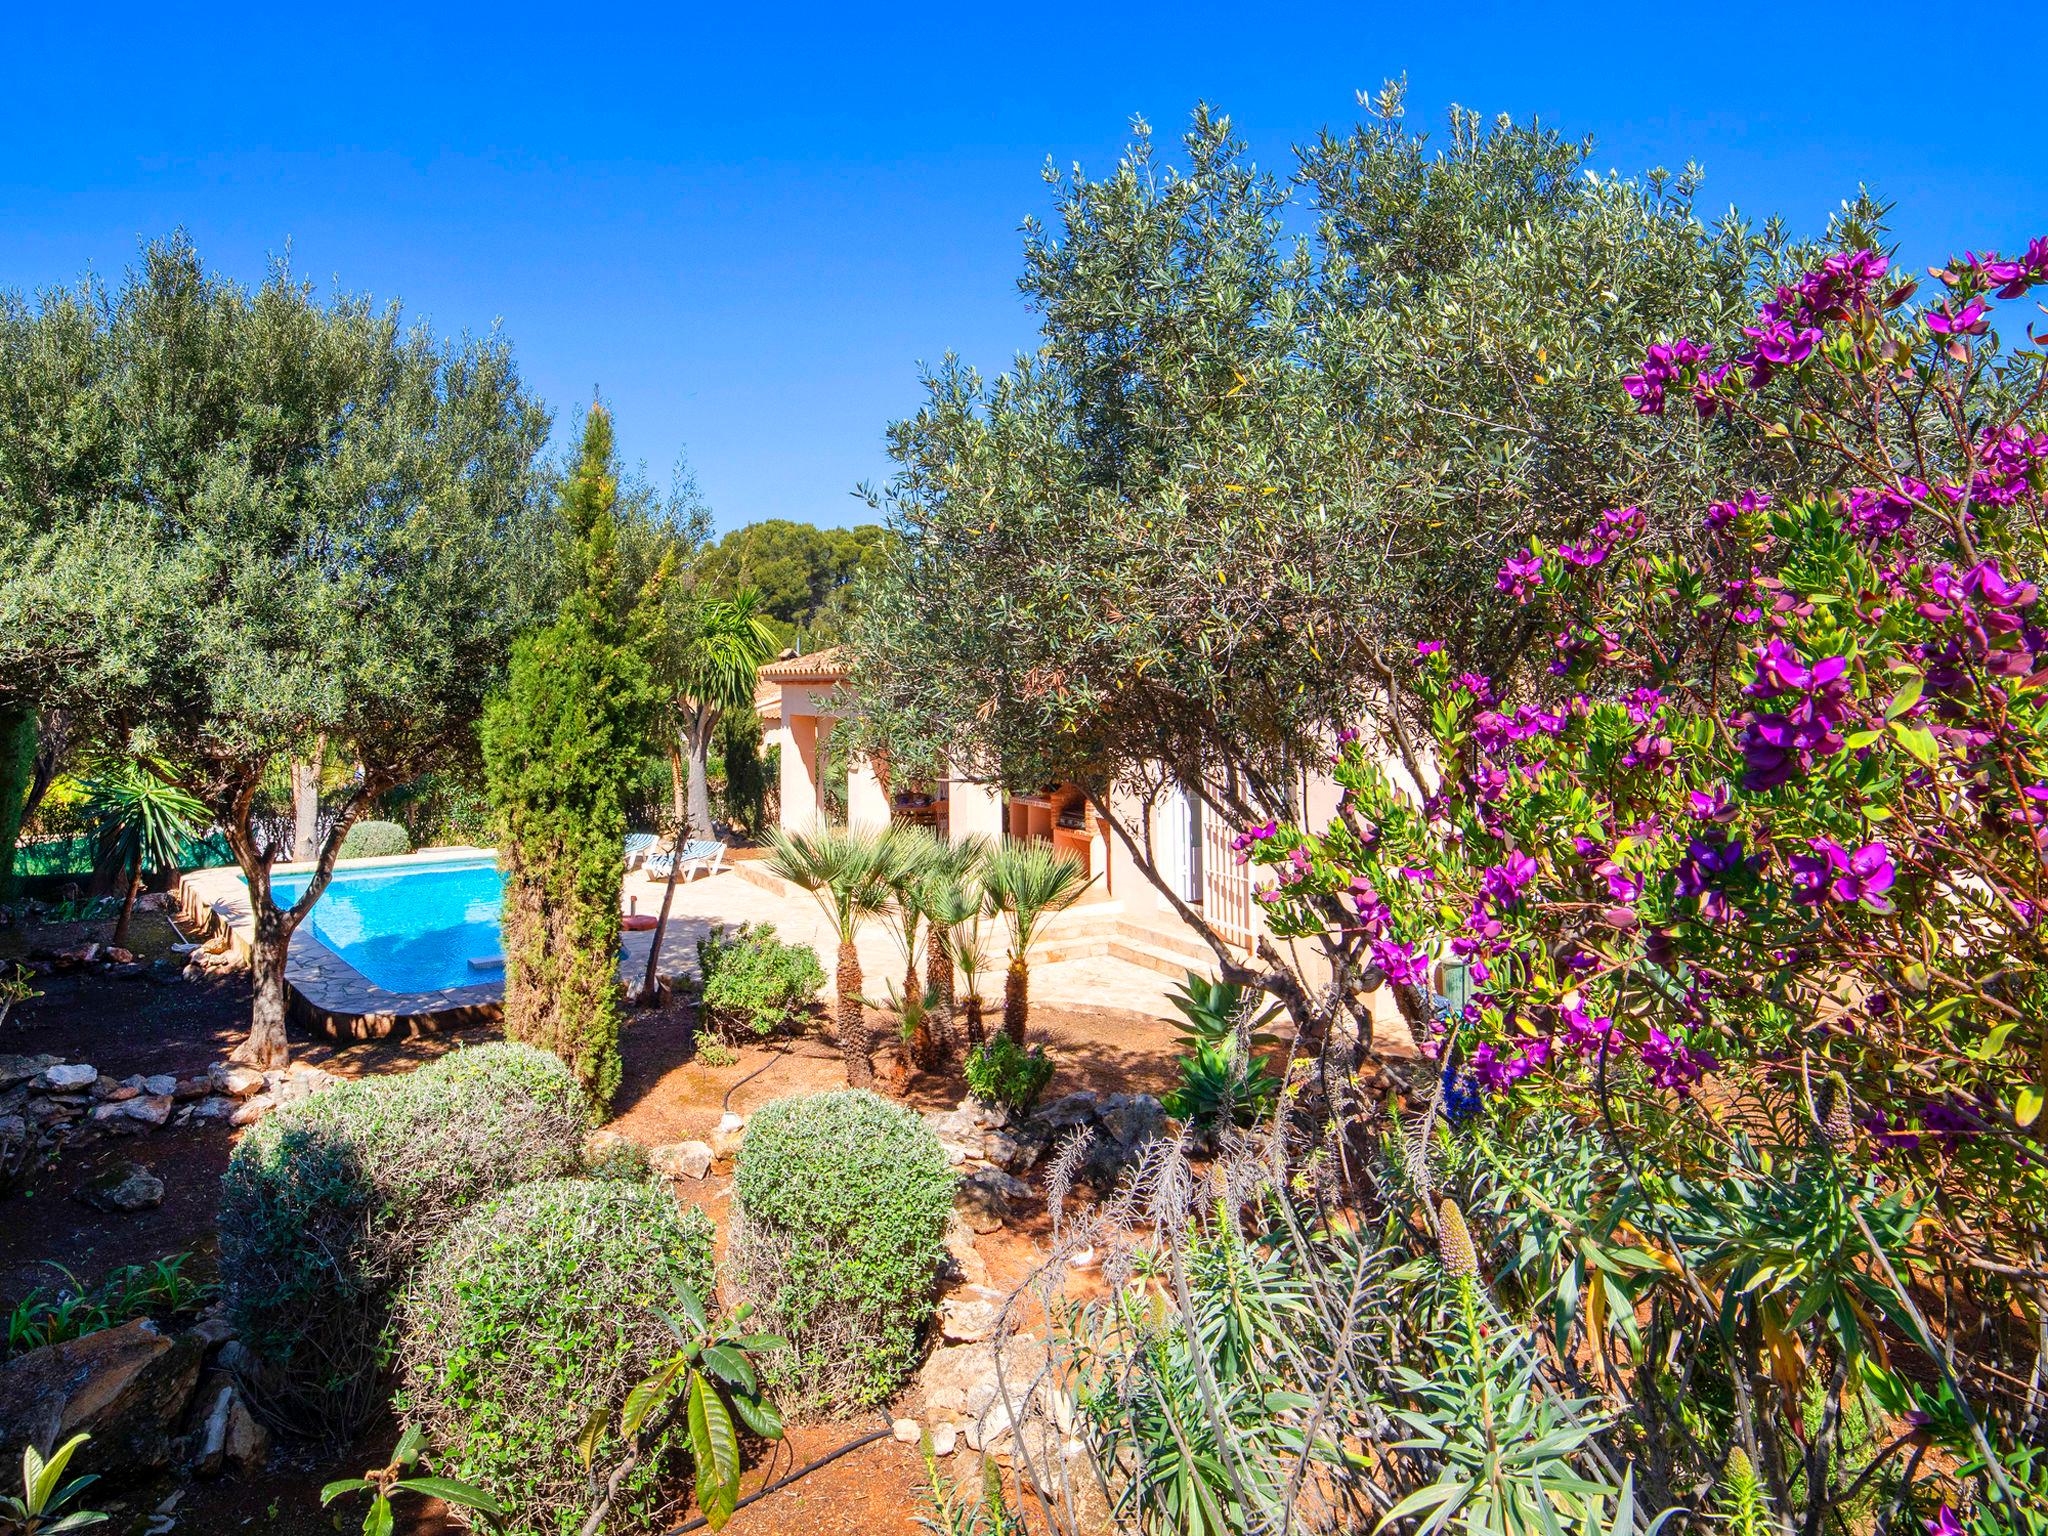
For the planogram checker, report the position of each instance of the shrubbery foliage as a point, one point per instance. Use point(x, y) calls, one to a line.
point(840, 1208)
point(538, 1310)
point(328, 1202)
point(1000, 1071)
point(755, 982)
point(375, 840)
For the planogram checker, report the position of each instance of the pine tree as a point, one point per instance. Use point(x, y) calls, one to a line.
point(561, 745)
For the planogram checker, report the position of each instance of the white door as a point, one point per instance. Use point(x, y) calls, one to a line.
point(1176, 842)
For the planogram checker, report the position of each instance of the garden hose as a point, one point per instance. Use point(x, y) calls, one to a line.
point(697, 1522)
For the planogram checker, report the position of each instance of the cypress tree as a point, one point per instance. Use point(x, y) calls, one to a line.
point(561, 745)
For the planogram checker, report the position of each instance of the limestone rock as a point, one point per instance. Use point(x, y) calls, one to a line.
point(124, 1186)
point(1015, 1150)
point(154, 1110)
point(160, 1084)
point(68, 1077)
point(988, 1197)
point(238, 1082)
point(1066, 1112)
point(127, 1387)
point(905, 1431)
point(21, 1069)
point(966, 1322)
point(252, 1110)
point(945, 1438)
point(967, 1259)
point(682, 1159)
point(218, 1107)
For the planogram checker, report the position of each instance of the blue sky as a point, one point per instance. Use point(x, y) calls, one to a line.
point(749, 227)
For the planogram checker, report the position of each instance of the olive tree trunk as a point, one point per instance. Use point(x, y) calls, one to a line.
point(699, 726)
point(306, 804)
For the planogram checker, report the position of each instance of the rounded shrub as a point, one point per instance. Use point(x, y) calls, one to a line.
point(374, 840)
point(839, 1223)
point(328, 1202)
point(538, 1309)
point(755, 983)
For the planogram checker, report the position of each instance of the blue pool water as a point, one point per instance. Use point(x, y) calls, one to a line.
point(410, 928)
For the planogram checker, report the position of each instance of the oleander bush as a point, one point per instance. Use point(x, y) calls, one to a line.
point(374, 840)
point(756, 984)
point(539, 1309)
point(328, 1203)
point(839, 1221)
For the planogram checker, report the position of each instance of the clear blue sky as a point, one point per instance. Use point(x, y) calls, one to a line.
point(749, 232)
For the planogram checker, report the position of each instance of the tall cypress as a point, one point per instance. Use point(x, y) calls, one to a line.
point(561, 744)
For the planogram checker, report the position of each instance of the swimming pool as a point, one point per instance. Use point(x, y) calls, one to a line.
point(410, 928)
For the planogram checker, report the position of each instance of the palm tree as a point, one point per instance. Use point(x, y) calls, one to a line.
point(1028, 881)
point(137, 818)
point(847, 873)
point(915, 855)
point(711, 662)
point(954, 905)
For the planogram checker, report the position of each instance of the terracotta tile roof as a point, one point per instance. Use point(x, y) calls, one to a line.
point(831, 665)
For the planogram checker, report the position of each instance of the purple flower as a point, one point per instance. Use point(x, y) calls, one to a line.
point(1674, 1064)
point(1402, 964)
point(1505, 881)
point(1521, 574)
point(1968, 321)
point(1427, 648)
point(1663, 365)
point(1865, 876)
point(1944, 1523)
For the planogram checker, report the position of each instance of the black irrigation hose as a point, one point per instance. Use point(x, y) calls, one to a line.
point(698, 1522)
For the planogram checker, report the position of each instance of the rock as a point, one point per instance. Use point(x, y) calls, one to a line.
point(248, 1442)
point(984, 1115)
point(252, 1110)
point(682, 1159)
point(1015, 1150)
point(987, 1431)
point(731, 1133)
point(1066, 1112)
point(954, 1125)
point(1131, 1119)
point(216, 1397)
point(68, 1077)
point(905, 1431)
point(1065, 1412)
point(730, 1124)
point(116, 1093)
point(988, 1197)
point(21, 1069)
point(602, 1145)
point(241, 1082)
point(966, 1322)
point(115, 955)
point(160, 1085)
point(154, 1110)
point(214, 1326)
point(13, 1127)
point(127, 1387)
point(955, 1153)
point(125, 1186)
point(219, 1107)
point(967, 1259)
point(945, 1439)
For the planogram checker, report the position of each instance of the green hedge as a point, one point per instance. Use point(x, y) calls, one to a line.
point(537, 1310)
point(840, 1208)
point(756, 983)
point(328, 1202)
point(374, 840)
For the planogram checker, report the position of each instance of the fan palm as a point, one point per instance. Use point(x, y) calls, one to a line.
point(138, 818)
point(847, 874)
point(949, 898)
point(1028, 882)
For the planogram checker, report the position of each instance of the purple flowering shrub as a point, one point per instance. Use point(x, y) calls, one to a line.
point(1758, 859)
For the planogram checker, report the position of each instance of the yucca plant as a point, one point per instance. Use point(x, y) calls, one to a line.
point(1028, 882)
point(139, 819)
point(44, 1493)
point(847, 873)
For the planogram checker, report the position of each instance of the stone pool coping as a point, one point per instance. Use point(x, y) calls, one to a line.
point(327, 994)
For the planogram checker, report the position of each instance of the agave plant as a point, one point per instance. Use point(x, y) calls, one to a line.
point(1028, 882)
point(847, 873)
point(139, 818)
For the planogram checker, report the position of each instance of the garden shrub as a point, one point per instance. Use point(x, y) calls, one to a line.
point(374, 840)
point(1003, 1072)
point(536, 1310)
point(839, 1221)
point(754, 981)
point(328, 1202)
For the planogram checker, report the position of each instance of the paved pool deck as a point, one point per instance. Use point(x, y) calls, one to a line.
point(331, 996)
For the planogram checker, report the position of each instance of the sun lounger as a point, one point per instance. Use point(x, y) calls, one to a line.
point(704, 856)
point(638, 846)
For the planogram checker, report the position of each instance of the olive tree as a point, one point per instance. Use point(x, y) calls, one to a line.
point(271, 519)
point(1184, 539)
